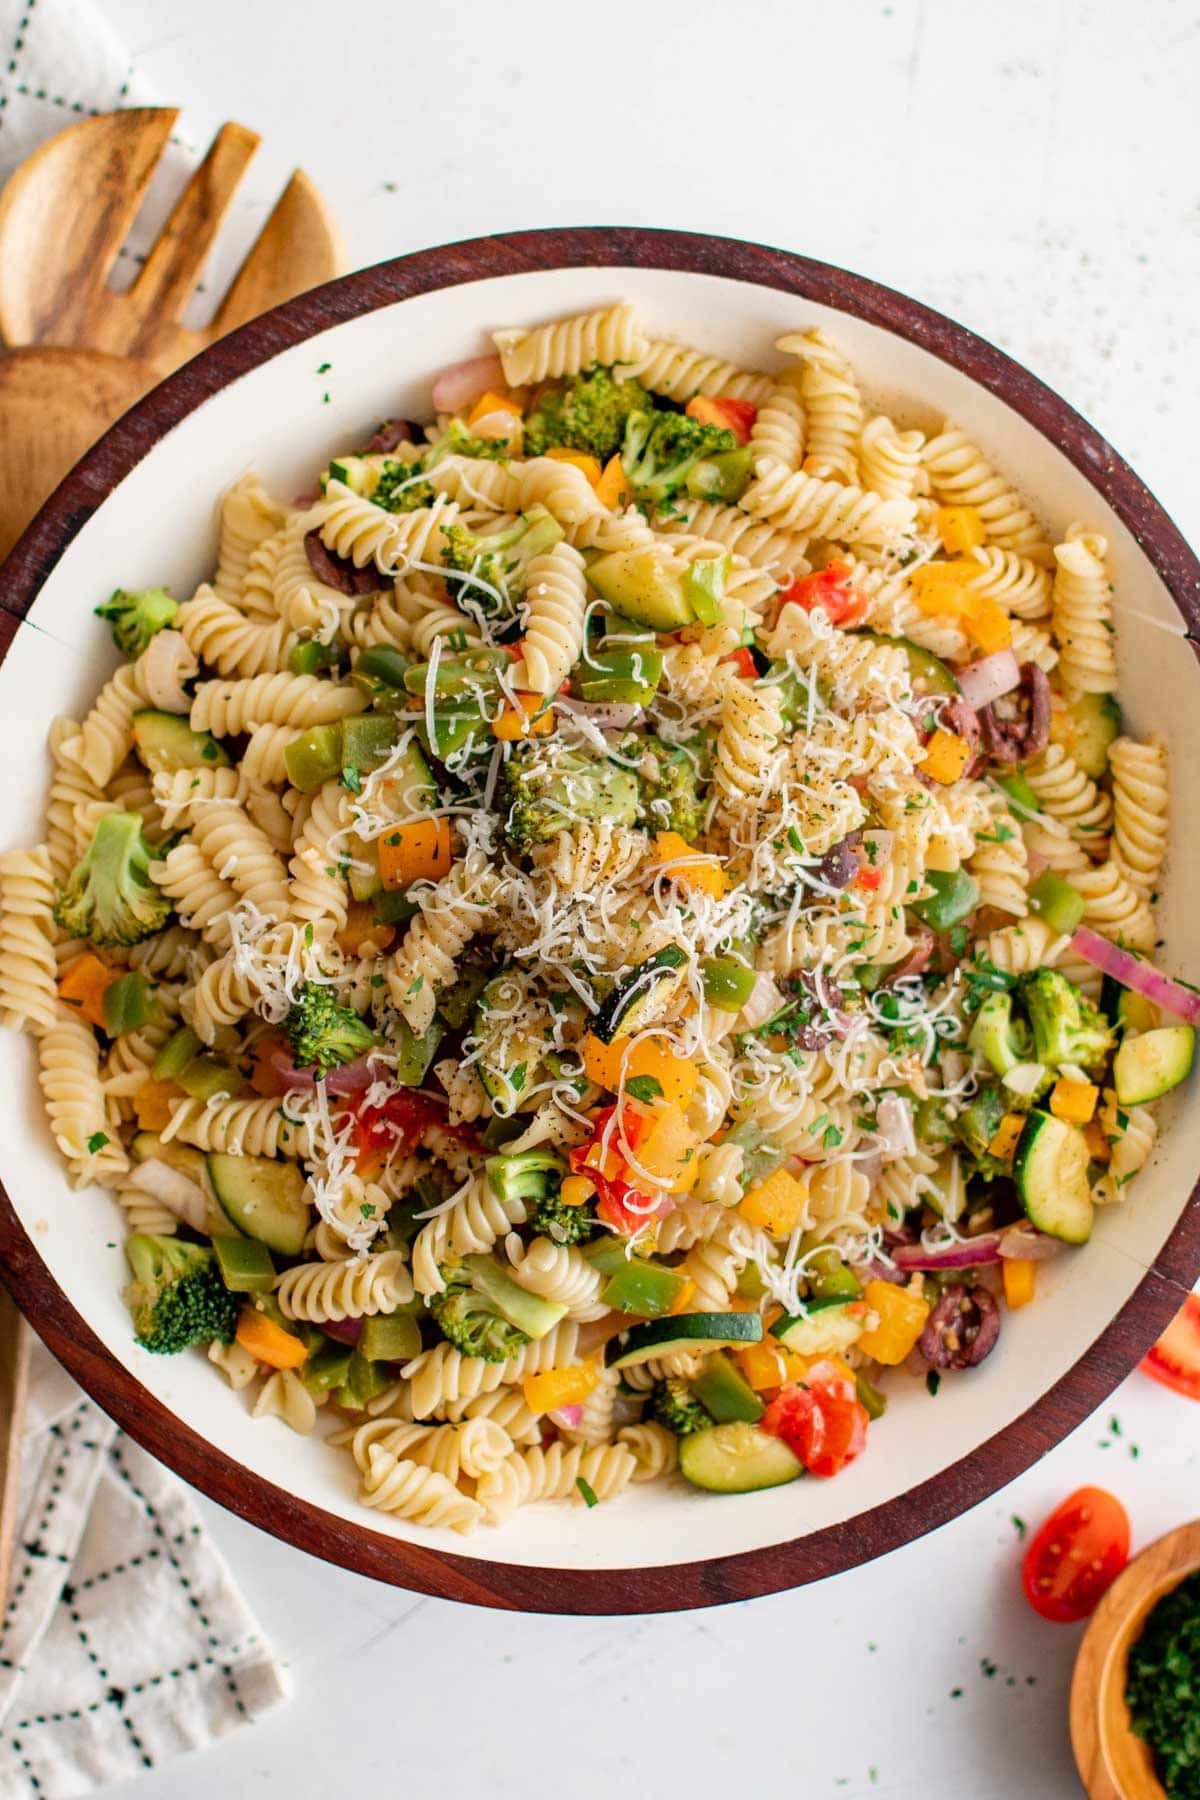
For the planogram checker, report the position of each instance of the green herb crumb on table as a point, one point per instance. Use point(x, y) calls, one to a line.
point(1163, 1691)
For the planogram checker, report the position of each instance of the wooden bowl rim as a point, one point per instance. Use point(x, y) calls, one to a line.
point(715, 1580)
point(1126, 1604)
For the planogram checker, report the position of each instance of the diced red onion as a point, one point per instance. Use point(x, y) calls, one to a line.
point(275, 1072)
point(764, 1002)
point(1027, 1244)
point(984, 681)
point(180, 1195)
point(968, 1254)
point(460, 386)
point(346, 1331)
point(568, 1416)
point(893, 1122)
point(353, 1077)
point(1140, 977)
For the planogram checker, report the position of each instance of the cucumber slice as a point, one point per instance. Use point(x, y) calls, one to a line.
point(1085, 728)
point(166, 741)
point(638, 997)
point(828, 1327)
point(1127, 1010)
point(1050, 1168)
point(736, 1458)
point(724, 1392)
point(1154, 1063)
point(690, 1331)
point(642, 587)
point(264, 1198)
point(927, 672)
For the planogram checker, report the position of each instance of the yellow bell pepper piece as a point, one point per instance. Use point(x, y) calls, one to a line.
point(1008, 1131)
point(612, 489)
point(668, 1149)
point(901, 1319)
point(510, 725)
point(685, 1299)
point(580, 459)
point(560, 1387)
point(960, 528)
point(492, 402)
point(1073, 1101)
point(938, 588)
point(777, 1204)
point(152, 1103)
point(646, 1060)
point(701, 873)
point(770, 1365)
point(1020, 1280)
point(946, 756)
point(1099, 1148)
point(576, 1190)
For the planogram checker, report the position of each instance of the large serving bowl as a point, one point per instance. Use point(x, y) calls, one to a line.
point(280, 395)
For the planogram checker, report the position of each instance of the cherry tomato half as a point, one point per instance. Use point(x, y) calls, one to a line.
point(1076, 1556)
point(1175, 1359)
point(396, 1125)
point(830, 591)
point(744, 662)
point(820, 1419)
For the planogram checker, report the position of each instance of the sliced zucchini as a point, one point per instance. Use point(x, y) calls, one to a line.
point(264, 1198)
point(1154, 1063)
point(643, 587)
point(639, 997)
point(927, 672)
point(1127, 1010)
point(826, 1329)
point(164, 741)
point(1086, 727)
point(736, 1458)
point(409, 783)
point(1050, 1168)
point(688, 1332)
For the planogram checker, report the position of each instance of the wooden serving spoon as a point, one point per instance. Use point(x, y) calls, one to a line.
point(1114, 1764)
point(86, 353)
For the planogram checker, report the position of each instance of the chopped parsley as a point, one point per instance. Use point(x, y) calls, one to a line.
point(97, 1142)
point(590, 1497)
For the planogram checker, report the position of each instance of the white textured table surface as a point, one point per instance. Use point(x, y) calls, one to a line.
point(1030, 169)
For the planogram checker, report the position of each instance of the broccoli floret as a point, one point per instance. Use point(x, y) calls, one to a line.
point(543, 796)
point(470, 1322)
point(528, 1175)
point(177, 1296)
point(324, 1033)
point(397, 491)
point(136, 617)
point(660, 450)
point(565, 1224)
point(109, 896)
point(497, 565)
point(673, 1404)
point(589, 413)
point(669, 778)
point(1067, 1027)
point(456, 440)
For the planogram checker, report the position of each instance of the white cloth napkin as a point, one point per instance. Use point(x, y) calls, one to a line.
point(126, 1639)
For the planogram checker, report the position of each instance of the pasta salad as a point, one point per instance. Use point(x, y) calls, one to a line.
point(610, 933)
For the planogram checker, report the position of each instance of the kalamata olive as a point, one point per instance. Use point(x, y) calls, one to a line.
point(390, 435)
point(339, 572)
point(963, 720)
point(838, 867)
point(815, 1021)
point(962, 1328)
point(1017, 726)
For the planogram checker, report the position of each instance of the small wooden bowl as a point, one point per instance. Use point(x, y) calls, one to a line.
point(1113, 1763)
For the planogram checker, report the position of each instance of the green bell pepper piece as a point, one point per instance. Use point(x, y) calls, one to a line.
point(390, 1337)
point(384, 664)
point(830, 1279)
point(955, 894)
point(181, 1048)
point(315, 757)
point(310, 658)
point(643, 1288)
point(1051, 897)
point(1019, 790)
point(365, 1380)
point(724, 1392)
point(414, 1052)
point(368, 741)
point(872, 1401)
point(129, 1003)
point(327, 1367)
point(619, 676)
point(458, 675)
point(392, 906)
point(245, 1265)
point(728, 983)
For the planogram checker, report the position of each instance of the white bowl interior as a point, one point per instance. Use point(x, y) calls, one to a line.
point(158, 526)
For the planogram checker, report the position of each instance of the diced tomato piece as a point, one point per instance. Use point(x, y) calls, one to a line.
point(397, 1125)
point(830, 591)
point(619, 1200)
point(1076, 1556)
point(737, 416)
point(1175, 1359)
point(821, 1420)
point(743, 661)
point(868, 880)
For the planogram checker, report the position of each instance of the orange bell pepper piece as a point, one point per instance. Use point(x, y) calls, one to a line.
point(1002, 1145)
point(901, 1319)
point(648, 1060)
point(769, 1365)
point(560, 1387)
point(613, 489)
point(1020, 1280)
point(510, 725)
point(581, 459)
point(1073, 1101)
point(492, 402)
point(417, 851)
point(946, 756)
point(777, 1204)
point(361, 925)
point(1099, 1148)
point(730, 415)
point(268, 1342)
point(152, 1103)
point(960, 528)
point(698, 874)
point(83, 986)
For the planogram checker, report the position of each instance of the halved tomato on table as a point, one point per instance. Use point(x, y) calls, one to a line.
point(1076, 1556)
point(1175, 1359)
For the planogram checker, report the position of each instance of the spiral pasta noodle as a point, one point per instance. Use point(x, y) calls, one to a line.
point(555, 607)
point(678, 372)
point(82, 1127)
point(561, 1272)
point(221, 635)
point(248, 518)
point(393, 1485)
point(473, 1223)
point(777, 434)
point(228, 707)
point(793, 500)
point(28, 992)
point(610, 335)
point(1082, 613)
point(351, 1289)
point(960, 475)
point(555, 1474)
point(1139, 774)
